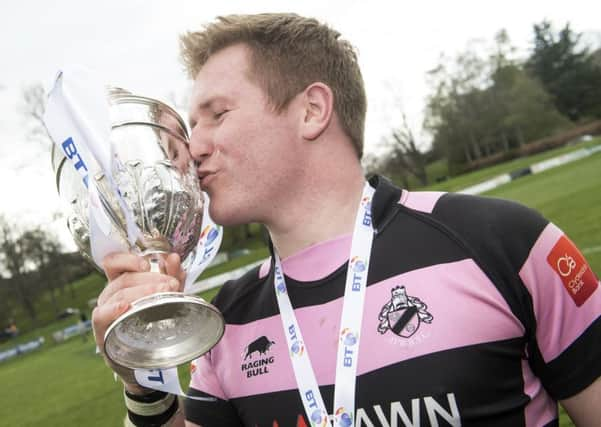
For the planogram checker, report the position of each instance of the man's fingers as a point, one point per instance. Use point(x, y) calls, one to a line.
point(103, 316)
point(173, 267)
point(122, 293)
point(163, 283)
point(117, 263)
point(128, 280)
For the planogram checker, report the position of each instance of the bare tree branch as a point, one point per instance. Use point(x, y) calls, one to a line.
point(405, 153)
point(32, 107)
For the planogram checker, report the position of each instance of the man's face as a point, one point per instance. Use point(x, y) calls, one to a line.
point(246, 151)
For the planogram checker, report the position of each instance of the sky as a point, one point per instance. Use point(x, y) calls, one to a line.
point(134, 44)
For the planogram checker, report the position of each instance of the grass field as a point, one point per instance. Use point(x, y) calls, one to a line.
point(570, 196)
point(68, 385)
point(458, 183)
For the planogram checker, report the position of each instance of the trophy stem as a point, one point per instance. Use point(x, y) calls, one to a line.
point(155, 259)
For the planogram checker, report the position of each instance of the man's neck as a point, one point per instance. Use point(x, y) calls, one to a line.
point(323, 211)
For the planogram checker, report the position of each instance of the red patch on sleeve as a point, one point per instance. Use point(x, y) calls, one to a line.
point(573, 270)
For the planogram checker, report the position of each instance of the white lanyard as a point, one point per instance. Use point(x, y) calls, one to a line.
point(350, 327)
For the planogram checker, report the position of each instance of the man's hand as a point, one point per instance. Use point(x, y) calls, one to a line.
point(130, 279)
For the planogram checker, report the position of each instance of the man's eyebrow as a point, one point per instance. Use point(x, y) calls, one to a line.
point(208, 103)
point(205, 105)
point(198, 109)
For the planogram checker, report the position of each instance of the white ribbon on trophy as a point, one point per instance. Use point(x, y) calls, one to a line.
point(208, 246)
point(78, 125)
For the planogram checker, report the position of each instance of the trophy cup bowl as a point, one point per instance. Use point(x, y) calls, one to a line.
point(158, 190)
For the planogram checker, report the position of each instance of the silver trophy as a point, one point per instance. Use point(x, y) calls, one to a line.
point(154, 195)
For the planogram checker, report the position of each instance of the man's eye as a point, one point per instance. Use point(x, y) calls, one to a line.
point(219, 114)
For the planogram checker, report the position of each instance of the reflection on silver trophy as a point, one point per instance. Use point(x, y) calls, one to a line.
point(153, 189)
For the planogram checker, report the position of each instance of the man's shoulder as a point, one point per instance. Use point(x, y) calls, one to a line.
point(489, 228)
point(489, 216)
point(471, 212)
point(457, 211)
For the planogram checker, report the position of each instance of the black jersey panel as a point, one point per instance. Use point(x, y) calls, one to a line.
point(481, 385)
point(217, 413)
point(409, 244)
point(235, 289)
point(507, 227)
point(235, 292)
point(237, 299)
point(484, 380)
point(576, 368)
point(386, 196)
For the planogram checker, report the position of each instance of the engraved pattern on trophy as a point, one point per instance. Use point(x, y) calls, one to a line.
point(165, 199)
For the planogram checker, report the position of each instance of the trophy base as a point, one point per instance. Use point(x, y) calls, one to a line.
point(162, 331)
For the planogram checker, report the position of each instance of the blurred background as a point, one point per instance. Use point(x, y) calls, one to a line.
point(494, 98)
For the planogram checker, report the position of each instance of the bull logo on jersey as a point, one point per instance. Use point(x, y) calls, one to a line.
point(403, 314)
point(257, 365)
point(260, 345)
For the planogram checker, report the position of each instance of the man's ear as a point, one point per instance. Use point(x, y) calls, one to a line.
point(318, 107)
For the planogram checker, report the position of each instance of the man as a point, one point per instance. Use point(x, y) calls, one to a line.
point(450, 309)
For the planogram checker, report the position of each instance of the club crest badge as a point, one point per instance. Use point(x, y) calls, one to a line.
point(403, 314)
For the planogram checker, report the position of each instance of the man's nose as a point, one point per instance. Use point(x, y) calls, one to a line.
point(201, 143)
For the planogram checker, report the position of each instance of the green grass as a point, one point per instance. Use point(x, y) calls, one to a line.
point(569, 196)
point(463, 181)
point(68, 385)
point(64, 385)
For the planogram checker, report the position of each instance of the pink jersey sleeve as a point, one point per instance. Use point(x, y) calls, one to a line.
point(564, 290)
point(203, 377)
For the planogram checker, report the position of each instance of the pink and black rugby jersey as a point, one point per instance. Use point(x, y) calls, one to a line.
point(478, 312)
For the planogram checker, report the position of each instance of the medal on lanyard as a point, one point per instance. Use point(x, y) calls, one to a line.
point(350, 327)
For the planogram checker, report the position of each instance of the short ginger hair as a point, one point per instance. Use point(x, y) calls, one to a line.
point(287, 54)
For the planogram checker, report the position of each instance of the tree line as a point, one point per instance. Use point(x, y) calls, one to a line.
point(33, 264)
point(487, 102)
